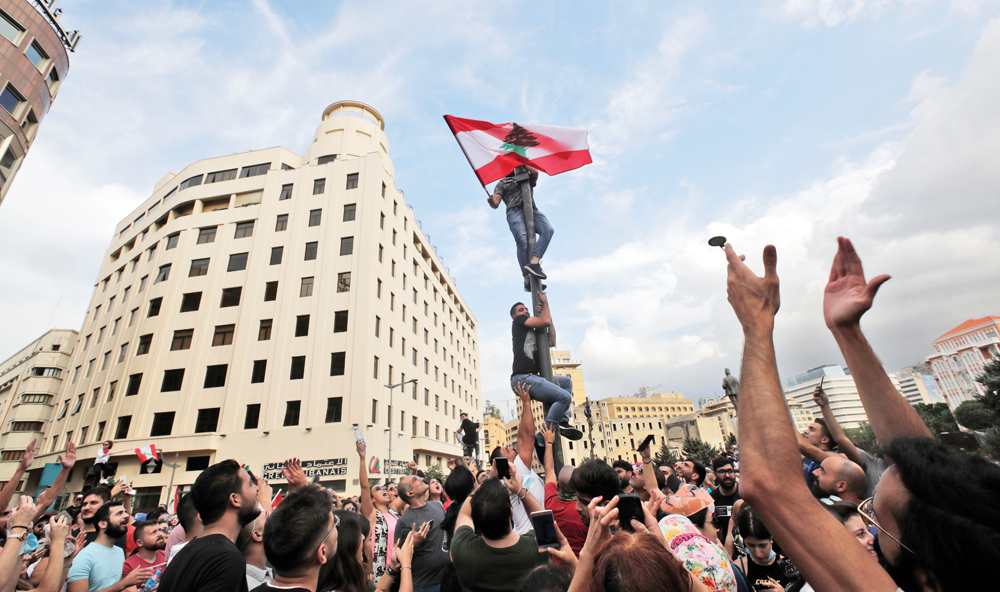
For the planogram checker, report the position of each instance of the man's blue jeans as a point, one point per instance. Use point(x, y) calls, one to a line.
point(515, 219)
point(560, 397)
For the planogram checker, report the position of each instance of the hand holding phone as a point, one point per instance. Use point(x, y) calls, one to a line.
point(545, 529)
point(629, 507)
point(502, 466)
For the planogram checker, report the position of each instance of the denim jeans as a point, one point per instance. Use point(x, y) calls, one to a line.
point(560, 397)
point(515, 219)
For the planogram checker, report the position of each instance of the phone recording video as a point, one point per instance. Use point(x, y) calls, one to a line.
point(503, 467)
point(545, 529)
point(629, 507)
point(645, 443)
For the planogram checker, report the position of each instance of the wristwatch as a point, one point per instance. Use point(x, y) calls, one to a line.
point(20, 537)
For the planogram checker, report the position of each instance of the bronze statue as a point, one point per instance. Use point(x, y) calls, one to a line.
point(731, 385)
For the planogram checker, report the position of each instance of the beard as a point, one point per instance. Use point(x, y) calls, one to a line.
point(816, 491)
point(116, 531)
point(248, 515)
point(623, 482)
point(728, 483)
point(90, 520)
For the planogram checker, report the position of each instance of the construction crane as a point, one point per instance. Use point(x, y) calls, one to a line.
point(646, 391)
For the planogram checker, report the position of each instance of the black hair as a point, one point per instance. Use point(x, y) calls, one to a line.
point(343, 571)
point(842, 511)
point(102, 492)
point(661, 479)
point(103, 514)
point(295, 529)
point(547, 578)
point(140, 527)
point(212, 488)
point(624, 465)
point(513, 308)
point(699, 517)
point(497, 453)
point(952, 525)
point(155, 514)
point(595, 478)
point(826, 430)
point(751, 525)
point(699, 471)
point(721, 461)
point(187, 514)
point(491, 509)
point(458, 486)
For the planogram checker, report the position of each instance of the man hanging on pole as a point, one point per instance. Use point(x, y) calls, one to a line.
point(509, 191)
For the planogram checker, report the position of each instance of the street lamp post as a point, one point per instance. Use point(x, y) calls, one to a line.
point(388, 461)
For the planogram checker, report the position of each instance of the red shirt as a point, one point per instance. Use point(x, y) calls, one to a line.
point(136, 562)
point(568, 519)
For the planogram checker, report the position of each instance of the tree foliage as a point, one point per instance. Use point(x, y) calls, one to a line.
point(665, 457)
point(434, 472)
point(861, 434)
point(937, 417)
point(492, 410)
point(699, 450)
point(990, 378)
point(730, 442)
point(975, 415)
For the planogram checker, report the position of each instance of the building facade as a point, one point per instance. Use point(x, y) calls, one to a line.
point(960, 356)
point(845, 403)
point(257, 305)
point(33, 63)
point(564, 365)
point(918, 385)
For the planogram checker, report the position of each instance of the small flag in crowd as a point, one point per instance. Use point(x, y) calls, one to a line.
point(494, 150)
point(276, 500)
point(146, 453)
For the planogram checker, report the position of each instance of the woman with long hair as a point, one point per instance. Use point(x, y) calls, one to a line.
point(375, 508)
point(346, 572)
point(764, 568)
point(458, 486)
point(436, 491)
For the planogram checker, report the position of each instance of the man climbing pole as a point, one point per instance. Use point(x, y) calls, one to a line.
point(509, 191)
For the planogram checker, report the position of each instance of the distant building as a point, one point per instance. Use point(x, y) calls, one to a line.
point(33, 64)
point(563, 365)
point(802, 418)
point(918, 385)
point(694, 425)
point(840, 389)
point(961, 354)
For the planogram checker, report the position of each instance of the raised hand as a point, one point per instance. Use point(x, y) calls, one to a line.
point(523, 390)
point(549, 434)
point(29, 456)
point(23, 514)
point(514, 483)
point(362, 448)
point(69, 458)
point(755, 300)
point(563, 551)
point(847, 296)
point(420, 535)
point(294, 475)
point(820, 398)
point(403, 554)
point(58, 530)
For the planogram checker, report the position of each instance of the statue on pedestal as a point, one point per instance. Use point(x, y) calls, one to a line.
point(731, 385)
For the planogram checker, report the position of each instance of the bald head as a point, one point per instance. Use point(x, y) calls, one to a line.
point(565, 474)
point(841, 477)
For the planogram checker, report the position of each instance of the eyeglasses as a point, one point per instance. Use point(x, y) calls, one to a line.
point(336, 525)
point(725, 472)
point(867, 511)
point(379, 488)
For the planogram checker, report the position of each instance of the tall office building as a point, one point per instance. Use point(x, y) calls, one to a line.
point(961, 355)
point(845, 403)
point(33, 62)
point(918, 385)
point(256, 305)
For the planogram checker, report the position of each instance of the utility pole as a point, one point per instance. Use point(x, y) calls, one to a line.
point(388, 461)
point(173, 467)
point(543, 355)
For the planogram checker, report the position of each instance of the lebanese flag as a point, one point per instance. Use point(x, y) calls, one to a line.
point(495, 150)
point(146, 453)
point(277, 500)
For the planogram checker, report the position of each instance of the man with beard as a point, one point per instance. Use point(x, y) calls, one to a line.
point(150, 542)
point(840, 477)
point(692, 472)
point(226, 499)
point(98, 567)
point(625, 473)
point(726, 494)
point(92, 502)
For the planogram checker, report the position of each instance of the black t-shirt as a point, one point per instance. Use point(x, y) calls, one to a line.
point(469, 433)
point(207, 564)
point(781, 570)
point(724, 509)
point(524, 347)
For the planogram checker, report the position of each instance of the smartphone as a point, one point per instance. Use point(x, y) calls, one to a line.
point(629, 507)
point(545, 529)
point(645, 443)
point(403, 532)
point(503, 467)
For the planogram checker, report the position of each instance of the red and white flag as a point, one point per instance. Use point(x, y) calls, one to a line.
point(277, 500)
point(147, 452)
point(494, 150)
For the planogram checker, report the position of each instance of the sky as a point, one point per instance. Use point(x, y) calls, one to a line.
point(785, 122)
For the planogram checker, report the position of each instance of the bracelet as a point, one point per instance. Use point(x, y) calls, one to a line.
point(525, 490)
point(402, 567)
point(24, 527)
point(549, 443)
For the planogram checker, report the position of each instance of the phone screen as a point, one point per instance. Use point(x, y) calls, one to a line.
point(503, 467)
point(405, 530)
point(545, 529)
point(645, 443)
point(629, 507)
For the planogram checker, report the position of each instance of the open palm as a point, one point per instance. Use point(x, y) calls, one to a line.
point(847, 295)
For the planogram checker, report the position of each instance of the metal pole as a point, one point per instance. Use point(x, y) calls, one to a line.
point(388, 461)
point(544, 356)
point(173, 467)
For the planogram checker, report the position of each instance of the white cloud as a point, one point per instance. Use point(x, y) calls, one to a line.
point(831, 13)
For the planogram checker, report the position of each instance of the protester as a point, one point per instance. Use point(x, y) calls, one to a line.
point(560, 497)
point(726, 494)
point(436, 492)
point(519, 459)
point(691, 472)
point(459, 485)
point(375, 502)
point(468, 435)
point(763, 568)
point(345, 570)
point(47, 497)
point(300, 537)
point(837, 476)
point(150, 543)
point(849, 516)
point(102, 468)
point(100, 566)
point(189, 528)
point(873, 465)
point(625, 472)
point(429, 557)
point(509, 191)
point(250, 542)
point(226, 499)
point(593, 479)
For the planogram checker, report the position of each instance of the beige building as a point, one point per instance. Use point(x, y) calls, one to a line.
point(655, 405)
point(961, 355)
point(802, 418)
point(30, 383)
point(722, 411)
point(694, 425)
point(564, 365)
point(33, 64)
point(918, 385)
point(257, 305)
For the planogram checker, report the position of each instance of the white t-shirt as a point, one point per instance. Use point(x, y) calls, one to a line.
point(102, 457)
point(175, 550)
point(536, 489)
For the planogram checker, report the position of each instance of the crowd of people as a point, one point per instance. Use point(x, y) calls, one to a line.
point(785, 511)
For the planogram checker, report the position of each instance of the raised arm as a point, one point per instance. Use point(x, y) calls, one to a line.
point(54, 576)
point(847, 297)
point(819, 546)
point(8, 490)
point(525, 429)
point(550, 438)
point(817, 455)
point(367, 507)
point(48, 497)
point(10, 556)
point(495, 200)
point(836, 431)
point(544, 318)
point(543, 308)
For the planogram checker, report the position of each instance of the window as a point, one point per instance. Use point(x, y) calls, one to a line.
point(383, 189)
point(104, 362)
point(163, 424)
point(190, 302)
point(378, 325)
point(350, 210)
point(114, 330)
point(378, 291)
point(163, 275)
point(182, 339)
point(142, 283)
point(346, 245)
point(298, 368)
point(121, 432)
point(252, 417)
point(338, 363)
point(144, 343)
point(11, 30)
point(134, 381)
point(79, 403)
point(220, 176)
point(100, 431)
point(11, 100)
point(231, 297)
point(381, 221)
point(38, 57)
point(215, 376)
point(302, 325)
point(375, 371)
point(270, 291)
point(192, 182)
point(208, 421)
point(223, 335)
point(340, 321)
point(244, 229)
point(198, 267)
point(237, 262)
point(253, 171)
point(197, 463)
point(207, 235)
point(319, 186)
point(306, 289)
point(326, 159)
point(286, 193)
point(100, 334)
point(334, 407)
point(259, 371)
point(344, 281)
point(276, 253)
point(311, 249)
point(172, 380)
point(172, 241)
point(352, 181)
point(315, 217)
point(292, 413)
point(264, 333)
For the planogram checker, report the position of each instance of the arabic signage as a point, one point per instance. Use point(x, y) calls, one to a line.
point(324, 468)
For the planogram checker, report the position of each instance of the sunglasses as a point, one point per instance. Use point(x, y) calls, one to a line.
point(336, 525)
point(867, 511)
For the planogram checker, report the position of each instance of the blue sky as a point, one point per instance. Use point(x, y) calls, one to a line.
point(777, 122)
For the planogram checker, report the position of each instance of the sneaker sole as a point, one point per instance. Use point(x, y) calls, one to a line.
point(570, 433)
point(540, 276)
